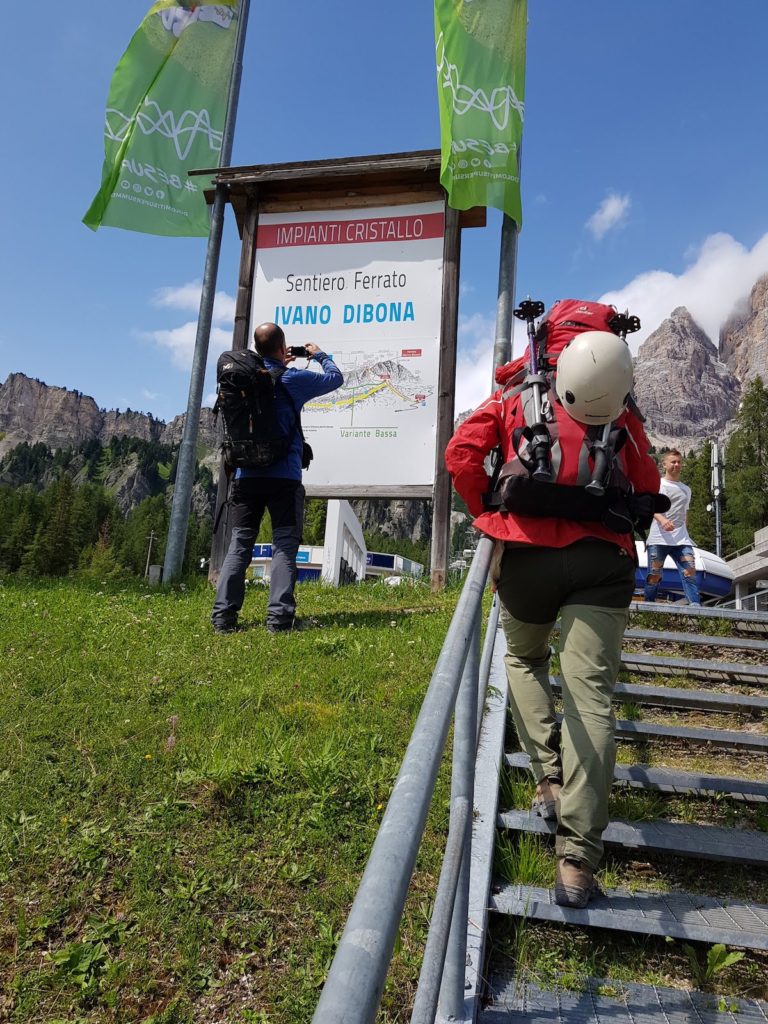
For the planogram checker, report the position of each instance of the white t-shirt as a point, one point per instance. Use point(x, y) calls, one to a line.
point(680, 496)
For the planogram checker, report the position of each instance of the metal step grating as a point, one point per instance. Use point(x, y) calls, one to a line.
point(697, 639)
point(747, 622)
point(669, 837)
point(680, 915)
point(679, 697)
point(728, 739)
point(601, 1001)
point(734, 672)
point(640, 776)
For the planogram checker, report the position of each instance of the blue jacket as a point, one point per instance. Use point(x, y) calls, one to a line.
point(294, 389)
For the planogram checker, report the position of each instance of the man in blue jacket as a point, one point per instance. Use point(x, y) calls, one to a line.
point(277, 487)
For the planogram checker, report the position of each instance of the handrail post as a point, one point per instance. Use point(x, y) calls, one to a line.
point(485, 661)
point(451, 1004)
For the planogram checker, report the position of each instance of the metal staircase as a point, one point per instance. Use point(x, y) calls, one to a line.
point(462, 978)
point(506, 996)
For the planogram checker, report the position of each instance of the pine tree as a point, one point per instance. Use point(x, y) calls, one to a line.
point(151, 516)
point(315, 514)
point(58, 543)
point(746, 469)
point(696, 473)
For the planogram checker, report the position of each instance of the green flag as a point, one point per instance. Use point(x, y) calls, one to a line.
point(481, 88)
point(166, 110)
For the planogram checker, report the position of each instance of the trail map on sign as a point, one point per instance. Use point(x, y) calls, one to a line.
point(375, 384)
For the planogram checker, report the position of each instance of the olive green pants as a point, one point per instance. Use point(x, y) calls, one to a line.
point(590, 585)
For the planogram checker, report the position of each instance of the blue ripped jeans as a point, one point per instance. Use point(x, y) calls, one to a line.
point(682, 556)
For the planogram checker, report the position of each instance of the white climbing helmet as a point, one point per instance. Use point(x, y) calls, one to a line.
point(594, 376)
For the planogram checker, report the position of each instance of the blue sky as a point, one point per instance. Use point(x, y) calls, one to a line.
point(644, 172)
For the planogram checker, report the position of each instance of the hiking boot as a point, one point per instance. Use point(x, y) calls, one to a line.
point(296, 626)
point(225, 628)
point(285, 627)
point(545, 800)
point(575, 883)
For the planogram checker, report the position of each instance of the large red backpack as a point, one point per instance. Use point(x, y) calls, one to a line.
point(573, 443)
point(560, 324)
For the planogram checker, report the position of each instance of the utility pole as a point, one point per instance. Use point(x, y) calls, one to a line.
point(717, 482)
point(150, 538)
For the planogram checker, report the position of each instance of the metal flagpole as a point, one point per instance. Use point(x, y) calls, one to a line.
point(185, 467)
point(505, 302)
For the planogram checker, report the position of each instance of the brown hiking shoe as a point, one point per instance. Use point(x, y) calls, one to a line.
point(575, 883)
point(544, 802)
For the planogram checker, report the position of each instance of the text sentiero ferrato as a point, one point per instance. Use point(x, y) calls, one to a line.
point(338, 283)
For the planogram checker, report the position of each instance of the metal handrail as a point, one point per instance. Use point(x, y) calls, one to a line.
point(355, 982)
point(739, 552)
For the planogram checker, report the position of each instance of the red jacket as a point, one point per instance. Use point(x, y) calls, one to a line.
point(491, 424)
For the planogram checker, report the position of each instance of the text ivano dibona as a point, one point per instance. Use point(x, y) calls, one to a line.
point(352, 313)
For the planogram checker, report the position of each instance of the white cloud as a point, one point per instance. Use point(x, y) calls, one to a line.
point(474, 377)
point(186, 297)
point(150, 396)
point(179, 342)
point(611, 213)
point(721, 274)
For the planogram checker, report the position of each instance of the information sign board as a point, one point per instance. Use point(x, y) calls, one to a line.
point(365, 285)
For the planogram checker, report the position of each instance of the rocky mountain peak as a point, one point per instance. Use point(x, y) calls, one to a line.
point(33, 411)
point(744, 335)
point(681, 386)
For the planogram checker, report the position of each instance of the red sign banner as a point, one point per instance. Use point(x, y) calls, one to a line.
point(349, 232)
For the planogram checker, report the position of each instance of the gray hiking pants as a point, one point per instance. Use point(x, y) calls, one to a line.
point(284, 499)
point(589, 584)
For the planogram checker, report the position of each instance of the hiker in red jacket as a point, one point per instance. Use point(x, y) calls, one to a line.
point(548, 566)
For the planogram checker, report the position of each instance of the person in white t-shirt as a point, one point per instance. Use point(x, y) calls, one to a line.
point(669, 534)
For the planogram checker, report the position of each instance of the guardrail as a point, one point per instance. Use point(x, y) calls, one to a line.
point(741, 551)
point(752, 602)
point(353, 989)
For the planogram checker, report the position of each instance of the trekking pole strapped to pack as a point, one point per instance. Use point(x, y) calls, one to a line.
point(538, 436)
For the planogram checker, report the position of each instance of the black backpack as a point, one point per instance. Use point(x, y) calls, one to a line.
point(253, 438)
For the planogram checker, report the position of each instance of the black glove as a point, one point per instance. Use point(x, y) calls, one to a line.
point(644, 506)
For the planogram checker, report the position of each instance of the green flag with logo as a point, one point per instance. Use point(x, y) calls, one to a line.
point(480, 49)
point(166, 110)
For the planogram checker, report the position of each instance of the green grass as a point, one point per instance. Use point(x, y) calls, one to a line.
point(184, 818)
point(557, 956)
point(525, 859)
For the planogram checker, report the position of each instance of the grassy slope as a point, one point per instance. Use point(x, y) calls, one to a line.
point(184, 818)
